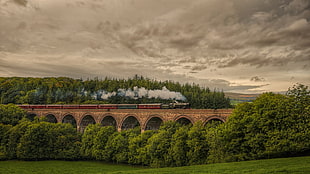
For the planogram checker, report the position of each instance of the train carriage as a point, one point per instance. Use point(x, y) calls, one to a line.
point(37, 106)
point(127, 106)
point(88, 106)
point(54, 106)
point(149, 106)
point(107, 106)
point(71, 106)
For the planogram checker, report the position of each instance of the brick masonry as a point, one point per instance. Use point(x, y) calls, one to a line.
point(142, 117)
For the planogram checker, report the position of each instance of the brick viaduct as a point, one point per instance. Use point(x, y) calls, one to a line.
point(123, 119)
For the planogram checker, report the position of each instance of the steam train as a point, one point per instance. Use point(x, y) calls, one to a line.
point(110, 106)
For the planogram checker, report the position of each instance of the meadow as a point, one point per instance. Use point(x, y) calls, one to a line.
point(280, 165)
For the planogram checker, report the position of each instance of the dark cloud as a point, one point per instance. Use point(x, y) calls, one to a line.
point(199, 67)
point(21, 2)
point(257, 79)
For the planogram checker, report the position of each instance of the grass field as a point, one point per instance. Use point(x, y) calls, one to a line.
point(283, 165)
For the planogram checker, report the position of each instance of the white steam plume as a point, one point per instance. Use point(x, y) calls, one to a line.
point(137, 92)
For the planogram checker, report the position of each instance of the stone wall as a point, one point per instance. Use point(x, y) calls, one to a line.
point(125, 118)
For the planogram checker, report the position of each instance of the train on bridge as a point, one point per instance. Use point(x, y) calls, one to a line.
point(110, 106)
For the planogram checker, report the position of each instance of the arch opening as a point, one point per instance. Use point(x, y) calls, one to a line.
point(108, 121)
point(88, 119)
point(130, 123)
point(214, 122)
point(51, 118)
point(69, 119)
point(184, 121)
point(154, 123)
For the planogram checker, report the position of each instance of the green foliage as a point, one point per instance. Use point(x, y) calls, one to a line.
point(41, 140)
point(88, 139)
point(198, 146)
point(3, 140)
point(100, 141)
point(273, 125)
point(15, 134)
point(179, 147)
point(159, 144)
point(11, 114)
point(64, 90)
point(138, 153)
point(45, 140)
point(117, 146)
point(215, 137)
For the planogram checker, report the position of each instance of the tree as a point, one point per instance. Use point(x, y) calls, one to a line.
point(88, 140)
point(67, 142)
point(137, 152)
point(43, 140)
point(198, 146)
point(4, 138)
point(100, 141)
point(117, 147)
point(14, 136)
point(274, 125)
point(179, 147)
point(159, 144)
point(11, 114)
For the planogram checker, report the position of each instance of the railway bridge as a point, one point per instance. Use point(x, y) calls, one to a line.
point(123, 119)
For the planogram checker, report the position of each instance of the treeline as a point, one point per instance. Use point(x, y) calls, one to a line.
point(273, 125)
point(63, 90)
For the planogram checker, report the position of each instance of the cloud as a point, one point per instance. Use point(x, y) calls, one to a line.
point(257, 79)
point(21, 2)
point(189, 41)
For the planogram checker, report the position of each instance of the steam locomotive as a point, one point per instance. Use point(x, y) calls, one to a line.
point(110, 106)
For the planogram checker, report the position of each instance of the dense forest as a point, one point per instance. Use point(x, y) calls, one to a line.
point(136, 90)
point(272, 126)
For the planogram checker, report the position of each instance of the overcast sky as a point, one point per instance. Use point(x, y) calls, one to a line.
point(248, 46)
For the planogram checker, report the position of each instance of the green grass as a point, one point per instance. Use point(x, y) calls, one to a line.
point(282, 165)
point(62, 167)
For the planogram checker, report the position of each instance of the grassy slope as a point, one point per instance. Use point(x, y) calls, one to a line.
point(283, 165)
point(61, 167)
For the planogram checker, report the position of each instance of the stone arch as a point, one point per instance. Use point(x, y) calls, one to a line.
point(109, 120)
point(214, 121)
point(153, 122)
point(216, 118)
point(129, 122)
point(51, 118)
point(85, 121)
point(184, 120)
point(69, 118)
